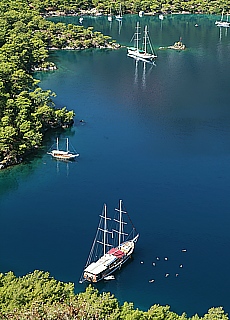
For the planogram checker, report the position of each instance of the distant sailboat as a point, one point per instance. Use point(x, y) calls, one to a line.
point(119, 16)
point(222, 23)
point(161, 17)
point(141, 53)
point(63, 155)
point(110, 17)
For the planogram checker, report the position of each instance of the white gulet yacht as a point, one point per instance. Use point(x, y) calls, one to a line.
point(141, 53)
point(112, 246)
point(63, 154)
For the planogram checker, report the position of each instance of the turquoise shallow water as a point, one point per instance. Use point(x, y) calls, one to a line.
point(156, 137)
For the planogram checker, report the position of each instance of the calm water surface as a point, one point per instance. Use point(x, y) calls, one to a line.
point(156, 137)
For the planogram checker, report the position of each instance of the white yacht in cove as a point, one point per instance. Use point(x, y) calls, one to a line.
point(141, 53)
point(111, 248)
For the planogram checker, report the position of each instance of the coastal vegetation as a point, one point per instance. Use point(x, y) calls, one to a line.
point(27, 111)
point(149, 6)
point(39, 296)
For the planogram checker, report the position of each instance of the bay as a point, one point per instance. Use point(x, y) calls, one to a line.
point(156, 137)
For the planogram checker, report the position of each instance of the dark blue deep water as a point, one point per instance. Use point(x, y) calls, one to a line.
point(157, 137)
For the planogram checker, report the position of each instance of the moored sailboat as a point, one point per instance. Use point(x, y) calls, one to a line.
point(63, 154)
point(119, 16)
point(141, 53)
point(221, 22)
point(110, 17)
point(111, 248)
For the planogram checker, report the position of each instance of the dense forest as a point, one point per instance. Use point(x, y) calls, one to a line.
point(149, 6)
point(26, 111)
point(39, 296)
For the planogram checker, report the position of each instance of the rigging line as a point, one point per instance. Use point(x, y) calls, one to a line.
point(126, 212)
point(131, 222)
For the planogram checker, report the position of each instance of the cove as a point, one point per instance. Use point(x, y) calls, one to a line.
point(156, 137)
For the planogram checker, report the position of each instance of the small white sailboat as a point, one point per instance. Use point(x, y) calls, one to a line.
point(81, 19)
point(112, 247)
point(61, 154)
point(161, 17)
point(221, 22)
point(141, 53)
point(110, 17)
point(119, 16)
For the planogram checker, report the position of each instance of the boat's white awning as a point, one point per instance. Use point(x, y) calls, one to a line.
point(90, 267)
point(95, 268)
point(101, 265)
point(100, 268)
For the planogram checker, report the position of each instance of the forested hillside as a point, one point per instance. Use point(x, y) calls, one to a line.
point(39, 296)
point(26, 111)
point(153, 6)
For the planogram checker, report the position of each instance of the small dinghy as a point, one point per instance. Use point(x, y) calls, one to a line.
point(111, 277)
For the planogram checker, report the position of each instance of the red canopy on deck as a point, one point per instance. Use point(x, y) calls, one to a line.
point(116, 252)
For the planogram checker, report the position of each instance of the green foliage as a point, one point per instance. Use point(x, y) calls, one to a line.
point(26, 111)
point(193, 6)
point(37, 287)
point(215, 314)
point(38, 296)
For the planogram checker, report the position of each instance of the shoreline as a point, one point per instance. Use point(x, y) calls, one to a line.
point(98, 14)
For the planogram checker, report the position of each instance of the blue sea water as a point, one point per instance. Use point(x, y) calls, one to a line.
point(156, 137)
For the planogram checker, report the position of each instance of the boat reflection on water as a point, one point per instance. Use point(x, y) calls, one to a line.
point(119, 25)
point(146, 68)
point(225, 33)
point(60, 164)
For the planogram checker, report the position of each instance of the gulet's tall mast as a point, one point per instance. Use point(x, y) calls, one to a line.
point(105, 230)
point(121, 223)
